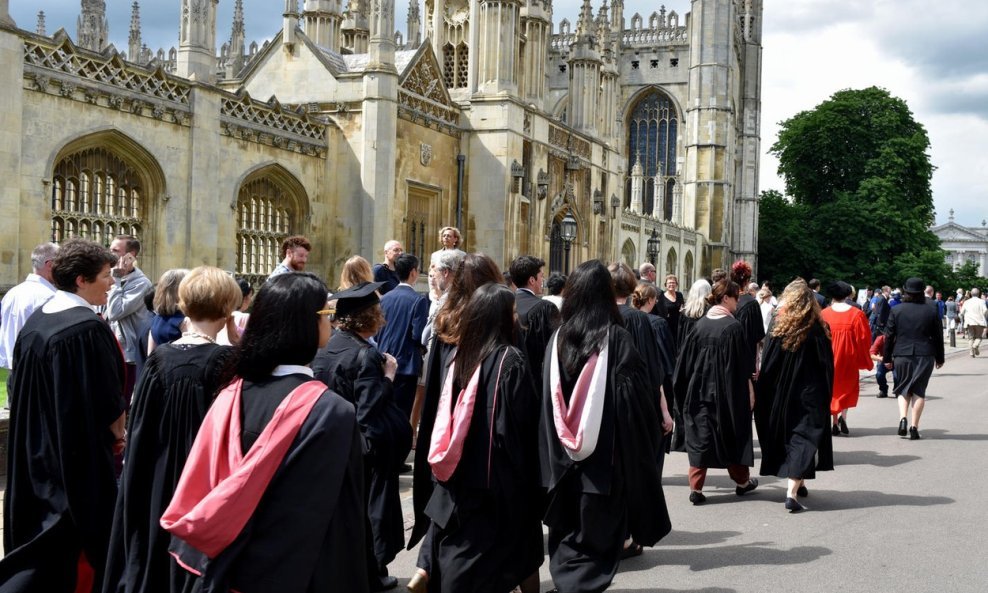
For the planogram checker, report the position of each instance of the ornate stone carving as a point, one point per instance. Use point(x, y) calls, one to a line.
point(425, 154)
point(270, 123)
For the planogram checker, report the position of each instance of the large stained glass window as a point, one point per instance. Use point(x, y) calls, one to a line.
point(653, 132)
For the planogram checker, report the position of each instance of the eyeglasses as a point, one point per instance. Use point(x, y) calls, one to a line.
point(330, 312)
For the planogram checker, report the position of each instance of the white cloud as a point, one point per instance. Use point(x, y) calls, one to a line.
point(934, 56)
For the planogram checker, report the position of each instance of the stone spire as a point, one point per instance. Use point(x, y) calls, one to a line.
point(93, 30)
point(197, 40)
point(414, 26)
point(602, 28)
point(134, 40)
point(585, 23)
point(289, 23)
point(238, 40)
point(382, 41)
point(40, 29)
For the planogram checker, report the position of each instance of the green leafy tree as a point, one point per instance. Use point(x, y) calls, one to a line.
point(858, 172)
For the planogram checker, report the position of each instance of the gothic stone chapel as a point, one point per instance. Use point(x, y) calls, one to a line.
point(642, 133)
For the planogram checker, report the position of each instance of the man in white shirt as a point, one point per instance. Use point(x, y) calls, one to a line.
point(21, 301)
point(974, 310)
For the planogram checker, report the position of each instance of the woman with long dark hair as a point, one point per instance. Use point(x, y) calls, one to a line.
point(271, 497)
point(599, 438)
point(486, 530)
point(794, 387)
point(714, 391)
point(475, 270)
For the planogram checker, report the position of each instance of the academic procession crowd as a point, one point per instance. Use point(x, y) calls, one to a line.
point(261, 452)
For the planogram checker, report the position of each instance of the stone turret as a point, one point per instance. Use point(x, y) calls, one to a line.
point(134, 39)
point(197, 40)
point(584, 69)
point(5, 19)
point(536, 19)
point(238, 41)
point(93, 29)
point(381, 45)
point(40, 28)
point(607, 104)
point(356, 31)
point(414, 25)
point(322, 21)
point(745, 231)
point(497, 56)
point(289, 24)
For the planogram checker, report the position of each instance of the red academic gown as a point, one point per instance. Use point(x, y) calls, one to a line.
point(851, 340)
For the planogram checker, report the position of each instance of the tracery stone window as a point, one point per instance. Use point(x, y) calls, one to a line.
point(97, 195)
point(653, 134)
point(267, 213)
point(456, 64)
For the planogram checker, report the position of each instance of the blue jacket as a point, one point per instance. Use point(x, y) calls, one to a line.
point(406, 312)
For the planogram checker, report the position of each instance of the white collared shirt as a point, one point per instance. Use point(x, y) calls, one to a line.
point(18, 304)
point(291, 369)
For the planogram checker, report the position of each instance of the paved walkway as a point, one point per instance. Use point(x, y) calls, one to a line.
point(895, 516)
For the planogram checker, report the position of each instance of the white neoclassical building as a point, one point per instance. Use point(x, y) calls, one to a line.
point(964, 244)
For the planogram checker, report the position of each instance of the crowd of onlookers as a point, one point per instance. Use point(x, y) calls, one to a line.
point(201, 435)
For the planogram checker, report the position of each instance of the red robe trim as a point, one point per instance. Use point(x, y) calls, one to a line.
point(220, 487)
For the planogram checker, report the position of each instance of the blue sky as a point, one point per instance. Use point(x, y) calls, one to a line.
point(934, 58)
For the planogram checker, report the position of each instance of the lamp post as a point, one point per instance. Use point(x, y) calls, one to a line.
point(568, 232)
point(653, 246)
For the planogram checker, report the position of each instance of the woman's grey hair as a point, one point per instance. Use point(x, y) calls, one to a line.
point(696, 299)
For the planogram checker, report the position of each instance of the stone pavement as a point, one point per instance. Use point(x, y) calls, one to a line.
point(895, 516)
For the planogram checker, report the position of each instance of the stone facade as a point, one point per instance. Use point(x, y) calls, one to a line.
point(340, 131)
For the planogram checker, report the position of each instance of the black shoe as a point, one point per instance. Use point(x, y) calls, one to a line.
point(406, 468)
point(793, 506)
point(842, 425)
point(913, 433)
point(697, 498)
point(902, 427)
point(835, 430)
point(742, 490)
point(882, 394)
point(802, 492)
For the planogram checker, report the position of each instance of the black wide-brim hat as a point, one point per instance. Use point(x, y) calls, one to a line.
point(839, 290)
point(356, 298)
point(914, 286)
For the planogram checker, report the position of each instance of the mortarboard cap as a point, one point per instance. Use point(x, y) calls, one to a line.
point(356, 298)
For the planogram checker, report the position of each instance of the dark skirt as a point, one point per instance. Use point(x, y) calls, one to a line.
point(912, 374)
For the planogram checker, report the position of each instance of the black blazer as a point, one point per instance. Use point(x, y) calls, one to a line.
point(913, 329)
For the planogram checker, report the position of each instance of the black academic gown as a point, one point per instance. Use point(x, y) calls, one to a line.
point(646, 340)
point(170, 401)
point(594, 504)
point(350, 366)
point(711, 383)
point(66, 391)
point(436, 366)
point(749, 315)
point(486, 519)
point(543, 320)
point(307, 533)
point(792, 407)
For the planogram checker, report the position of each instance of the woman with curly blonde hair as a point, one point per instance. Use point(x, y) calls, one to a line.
point(793, 411)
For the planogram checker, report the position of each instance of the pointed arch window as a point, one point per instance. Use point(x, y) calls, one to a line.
point(268, 211)
point(653, 139)
point(97, 194)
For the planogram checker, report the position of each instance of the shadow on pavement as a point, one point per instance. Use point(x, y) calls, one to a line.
point(863, 499)
point(698, 538)
point(946, 435)
point(699, 559)
point(653, 590)
point(871, 458)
